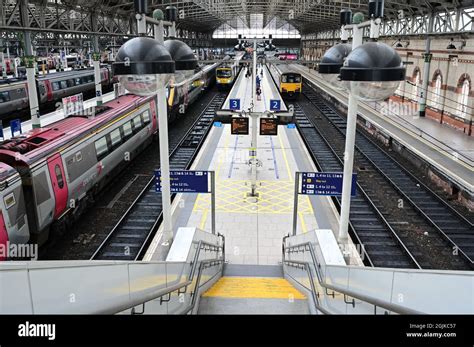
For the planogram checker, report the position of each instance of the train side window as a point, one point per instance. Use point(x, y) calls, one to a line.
point(4, 97)
point(115, 138)
point(101, 148)
point(90, 79)
point(59, 176)
point(137, 123)
point(55, 86)
point(78, 81)
point(83, 80)
point(127, 130)
point(63, 84)
point(70, 83)
point(146, 117)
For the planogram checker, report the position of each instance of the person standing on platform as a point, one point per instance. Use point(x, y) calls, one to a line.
point(258, 92)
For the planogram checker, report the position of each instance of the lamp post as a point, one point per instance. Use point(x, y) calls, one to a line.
point(253, 114)
point(371, 72)
point(145, 67)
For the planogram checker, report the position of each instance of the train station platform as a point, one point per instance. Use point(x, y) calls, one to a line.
point(253, 227)
point(54, 116)
point(449, 151)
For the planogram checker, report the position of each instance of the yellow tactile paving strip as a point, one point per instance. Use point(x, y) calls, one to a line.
point(254, 287)
point(274, 197)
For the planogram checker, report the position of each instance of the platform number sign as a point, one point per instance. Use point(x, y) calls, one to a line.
point(275, 105)
point(15, 127)
point(234, 104)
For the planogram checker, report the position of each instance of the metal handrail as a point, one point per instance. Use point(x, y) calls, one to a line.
point(376, 302)
point(176, 287)
point(314, 293)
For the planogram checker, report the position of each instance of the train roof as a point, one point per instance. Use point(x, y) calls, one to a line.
point(284, 69)
point(67, 74)
point(10, 81)
point(41, 143)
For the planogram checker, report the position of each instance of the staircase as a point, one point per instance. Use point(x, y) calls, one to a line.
point(253, 289)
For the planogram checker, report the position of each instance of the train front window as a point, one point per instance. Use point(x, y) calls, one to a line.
point(297, 79)
point(224, 73)
point(284, 79)
point(4, 97)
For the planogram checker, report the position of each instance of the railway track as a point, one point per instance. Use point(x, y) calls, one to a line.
point(435, 233)
point(136, 228)
point(382, 246)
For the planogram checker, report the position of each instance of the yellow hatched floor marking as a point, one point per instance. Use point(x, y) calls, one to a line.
point(254, 287)
point(276, 197)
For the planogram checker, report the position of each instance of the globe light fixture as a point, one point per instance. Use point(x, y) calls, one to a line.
point(373, 70)
point(331, 64)
point(142, 64)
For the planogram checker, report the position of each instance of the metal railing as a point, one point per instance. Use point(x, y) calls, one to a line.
point(182, 288)
point(307, 266)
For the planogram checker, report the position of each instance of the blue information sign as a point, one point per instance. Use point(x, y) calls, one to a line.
point(185, 181)
point(325, 183)
point(218, 124)
point(15, 126)
point(291, 126)
point(234, 104)
point(275, 105)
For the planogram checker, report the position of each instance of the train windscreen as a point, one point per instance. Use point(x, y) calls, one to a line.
point(290, 78)
point(224, 73)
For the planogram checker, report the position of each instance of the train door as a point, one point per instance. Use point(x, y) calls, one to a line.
point(49, 90)
point(58, 181)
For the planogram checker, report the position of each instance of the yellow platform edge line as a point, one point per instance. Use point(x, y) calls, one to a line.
point(254, 288)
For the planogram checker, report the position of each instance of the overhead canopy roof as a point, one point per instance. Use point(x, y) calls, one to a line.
point(305, 15)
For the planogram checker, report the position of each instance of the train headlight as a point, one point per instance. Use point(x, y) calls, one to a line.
point(331, 64)
point(373, 71)
point(143, 64)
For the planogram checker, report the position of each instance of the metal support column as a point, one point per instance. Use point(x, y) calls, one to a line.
point(96, 61)
point(213, 202)
point(295, 203)
point(164, 165)
point(426, 72)
point(30, 61)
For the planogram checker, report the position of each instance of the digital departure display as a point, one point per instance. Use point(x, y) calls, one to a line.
point(240, 126)
point(269, 126)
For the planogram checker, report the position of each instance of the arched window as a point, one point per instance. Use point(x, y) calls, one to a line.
point(463, 109)
point(438, 81)
point(416, 84)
